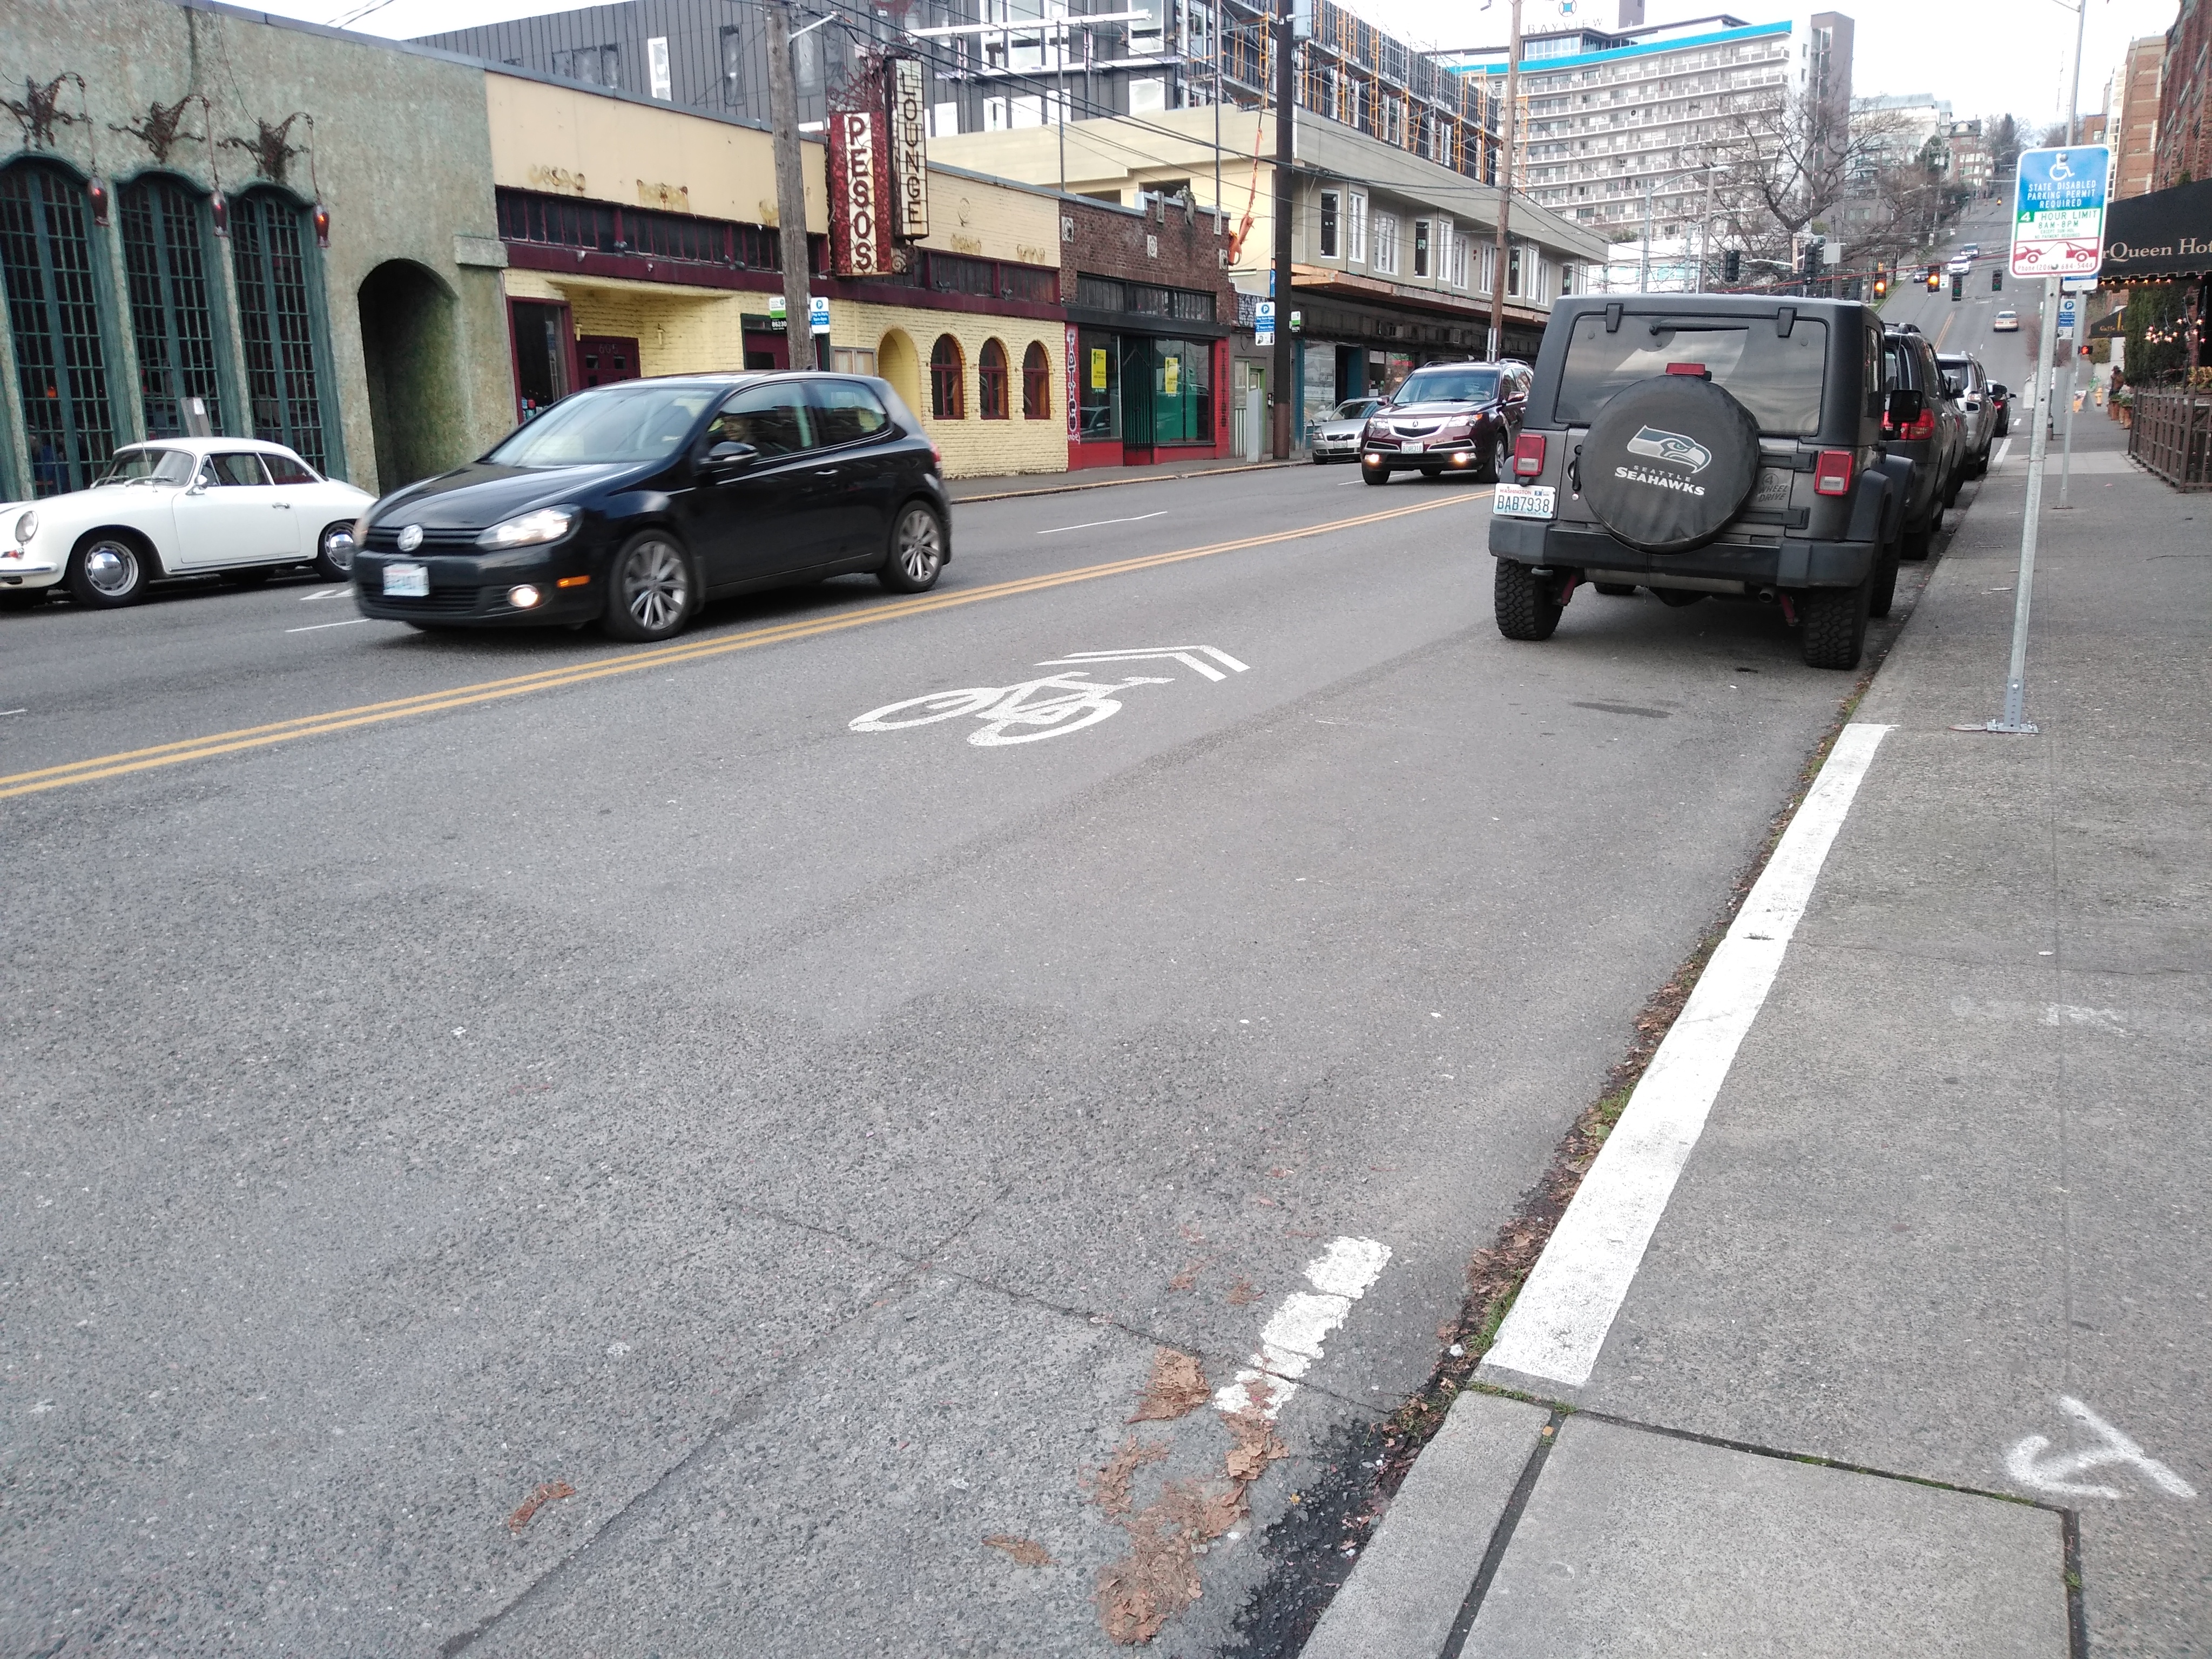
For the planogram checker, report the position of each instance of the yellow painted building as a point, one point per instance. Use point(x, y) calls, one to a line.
point(636, 239)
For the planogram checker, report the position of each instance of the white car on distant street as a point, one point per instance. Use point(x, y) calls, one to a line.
point(2005, 322)
point(180, 507)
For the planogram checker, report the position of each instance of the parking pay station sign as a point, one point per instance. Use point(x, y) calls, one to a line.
point(2058, 211)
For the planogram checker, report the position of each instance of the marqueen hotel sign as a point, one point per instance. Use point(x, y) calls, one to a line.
point(878, 173)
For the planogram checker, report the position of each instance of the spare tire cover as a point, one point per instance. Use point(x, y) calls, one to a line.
point(1668, 461)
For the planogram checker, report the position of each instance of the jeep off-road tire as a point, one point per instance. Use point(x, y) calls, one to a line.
point(1528, 604)
point(1884, 593)
point(1833, 623)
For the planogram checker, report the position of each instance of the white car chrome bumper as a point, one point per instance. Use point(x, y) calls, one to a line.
point(19, 569)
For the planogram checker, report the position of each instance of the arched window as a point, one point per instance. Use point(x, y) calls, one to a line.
point(269, 249)
point(163, 256)
point(991, 381)
point(948, 398)
point(61, 369)
point(1036, 383)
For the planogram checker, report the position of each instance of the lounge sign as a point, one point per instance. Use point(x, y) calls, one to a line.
point(2167, 233)
point(858, 243)
point(909, 149)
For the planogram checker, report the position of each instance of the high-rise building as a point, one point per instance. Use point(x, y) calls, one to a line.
point(2131, 106)
point(1608, 112)
point(995, 65)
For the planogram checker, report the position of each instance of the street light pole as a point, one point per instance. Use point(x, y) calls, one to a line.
point(1644, 279)
point(790, 188)
point(1286, 90)
point(2073, 347)
point(1504, 188)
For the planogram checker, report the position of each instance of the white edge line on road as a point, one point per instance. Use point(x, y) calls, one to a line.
point(1559, 1322)
point(317, 627)
point(2004, 448)
point(1097, 523)
point(1292, 1339)
point(4, 713)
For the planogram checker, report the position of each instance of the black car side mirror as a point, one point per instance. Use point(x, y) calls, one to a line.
point(730, 456)
point(1999, 392)
point(1906, 407)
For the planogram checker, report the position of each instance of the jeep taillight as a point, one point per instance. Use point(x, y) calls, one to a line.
point(1832, 473)
point(1922, 427)
point(1529, 455)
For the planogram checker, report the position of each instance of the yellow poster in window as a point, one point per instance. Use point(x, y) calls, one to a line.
point(1097, 369)
point(1171, 368)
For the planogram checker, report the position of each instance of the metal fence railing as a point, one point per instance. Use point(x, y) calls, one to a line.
point(2172, 436)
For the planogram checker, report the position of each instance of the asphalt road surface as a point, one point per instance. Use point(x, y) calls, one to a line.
point(540, 1147)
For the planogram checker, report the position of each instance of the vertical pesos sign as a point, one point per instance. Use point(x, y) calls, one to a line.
point(2058, 211)
point(909, 149)
point(859, 245)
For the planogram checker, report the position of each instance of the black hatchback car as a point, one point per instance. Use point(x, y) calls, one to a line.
point(630, 505)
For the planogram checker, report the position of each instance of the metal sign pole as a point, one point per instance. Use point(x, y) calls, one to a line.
point(2014, 719)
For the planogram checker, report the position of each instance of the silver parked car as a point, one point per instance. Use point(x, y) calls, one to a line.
point(1979, 404)
point(1336, 434)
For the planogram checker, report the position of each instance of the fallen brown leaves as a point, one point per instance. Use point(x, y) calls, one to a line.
point(1027, 1552)
point(1241, 1295)
point(1186, 1277)
point(550, 1491)
point(1178, 1387)
point(1138, 1595)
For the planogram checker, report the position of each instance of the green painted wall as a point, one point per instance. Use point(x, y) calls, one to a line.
point(401, 155)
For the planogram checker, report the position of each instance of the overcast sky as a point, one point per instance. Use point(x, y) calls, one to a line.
point(1987, 57)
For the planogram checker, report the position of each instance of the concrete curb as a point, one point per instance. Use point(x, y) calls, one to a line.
point(1109, 483)
point(1407, 1591)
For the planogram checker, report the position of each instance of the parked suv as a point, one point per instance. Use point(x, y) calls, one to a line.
point(1455, 417)
point(1968, 384)
point(1703, 445)
point(1923, 426)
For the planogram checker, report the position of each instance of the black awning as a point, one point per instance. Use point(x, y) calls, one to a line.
point(2167, 233)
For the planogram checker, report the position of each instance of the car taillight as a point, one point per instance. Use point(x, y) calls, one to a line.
point(1922, 427)
point(1527, 454)
point(1832, 473)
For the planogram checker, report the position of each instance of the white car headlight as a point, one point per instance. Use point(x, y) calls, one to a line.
point(26, 527)
point(546, 523)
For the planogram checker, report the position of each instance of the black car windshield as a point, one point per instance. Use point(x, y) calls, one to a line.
point(1778, 379)
point(169, 466)
point(1446, 386)
point(610, 425)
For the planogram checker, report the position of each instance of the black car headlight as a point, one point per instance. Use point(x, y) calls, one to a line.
point(544, 524)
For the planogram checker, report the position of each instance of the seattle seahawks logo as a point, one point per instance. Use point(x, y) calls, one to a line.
point(1671, 446)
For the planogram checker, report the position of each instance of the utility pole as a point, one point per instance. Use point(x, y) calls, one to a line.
point(1286, 90)
point(1505, 188)
point(1643, 278)
point(790, 187)
point(1705, 235)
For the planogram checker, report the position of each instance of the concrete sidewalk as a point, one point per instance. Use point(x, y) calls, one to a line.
point(1922, 1331)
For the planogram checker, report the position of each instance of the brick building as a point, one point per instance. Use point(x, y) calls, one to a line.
point(2131, 113)
point(2183, 152)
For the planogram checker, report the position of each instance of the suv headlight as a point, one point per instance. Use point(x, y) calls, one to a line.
point(26, 527)
point(546, 523)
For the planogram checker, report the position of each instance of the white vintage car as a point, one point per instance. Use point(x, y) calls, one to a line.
point(180, 507)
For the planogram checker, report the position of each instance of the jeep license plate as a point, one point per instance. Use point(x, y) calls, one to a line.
point(1531, 502)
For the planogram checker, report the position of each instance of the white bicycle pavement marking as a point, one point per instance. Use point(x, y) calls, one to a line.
point(2026, 1463)
point(1051, 707)
point(1290, 1342)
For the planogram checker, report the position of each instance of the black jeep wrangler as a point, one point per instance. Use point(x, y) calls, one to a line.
point(1706, 446)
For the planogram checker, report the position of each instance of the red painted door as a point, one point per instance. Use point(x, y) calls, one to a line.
point(606, 358)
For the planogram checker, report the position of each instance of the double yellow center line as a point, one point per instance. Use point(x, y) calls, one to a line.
point(632, 662)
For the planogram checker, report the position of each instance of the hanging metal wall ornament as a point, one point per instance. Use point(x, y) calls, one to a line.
point(271, 152)
point(161, 128)
point(39, 111)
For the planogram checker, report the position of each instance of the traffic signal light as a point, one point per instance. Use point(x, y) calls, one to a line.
point(1996, 280)
point(1881, 286)
point(1732, 266)
point(1934, 279)
point(1958, 284)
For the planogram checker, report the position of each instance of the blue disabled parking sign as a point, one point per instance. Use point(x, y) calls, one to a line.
point(2058, 211)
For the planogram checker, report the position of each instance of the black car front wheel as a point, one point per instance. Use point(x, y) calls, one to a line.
point(917, 551)
point(653, 591)
point(1375, 475)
